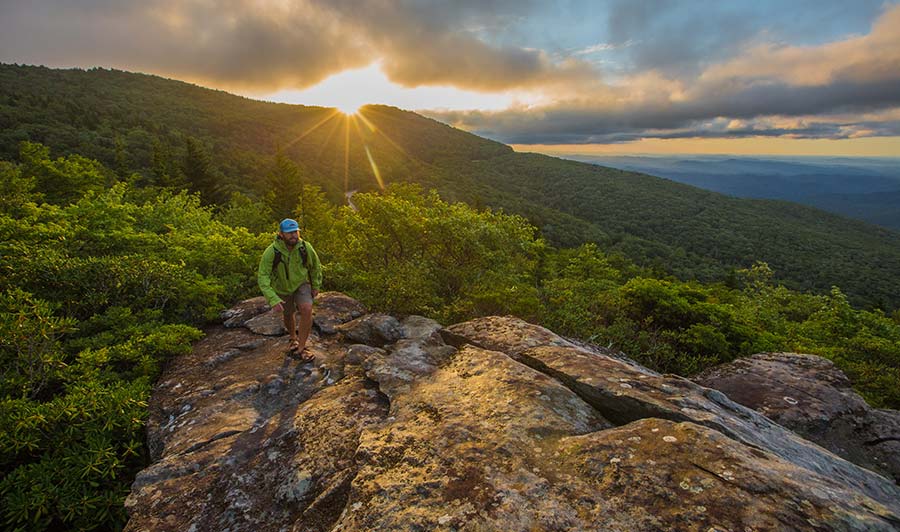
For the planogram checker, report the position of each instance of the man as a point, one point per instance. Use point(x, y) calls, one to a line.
point(290, 276)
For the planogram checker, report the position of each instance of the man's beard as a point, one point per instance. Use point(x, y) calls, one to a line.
point(291, 240)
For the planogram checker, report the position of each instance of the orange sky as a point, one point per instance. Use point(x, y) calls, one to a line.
point(859, 147)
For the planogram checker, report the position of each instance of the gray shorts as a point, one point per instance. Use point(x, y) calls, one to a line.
point(301, 296)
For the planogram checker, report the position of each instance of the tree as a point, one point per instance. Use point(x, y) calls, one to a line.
point(315, 214)
point(121, 165)
point(16, 190)
point(197, 169)
point(244, 211)
point(285, 183)
point(410, 252)
point(67, 178)
point(160, 162)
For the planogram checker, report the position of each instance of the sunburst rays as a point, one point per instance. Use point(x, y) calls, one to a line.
point(333, 113)
point(365, 130)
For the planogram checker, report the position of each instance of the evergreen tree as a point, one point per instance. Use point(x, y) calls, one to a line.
point(121, 164)
point(197, 169)
point(315, 214)
point(285, 183)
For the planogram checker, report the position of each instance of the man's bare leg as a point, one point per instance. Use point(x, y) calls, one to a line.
point(305, 324)
point(289, 325)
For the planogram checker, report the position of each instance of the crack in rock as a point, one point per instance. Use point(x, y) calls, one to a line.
point(217, 437)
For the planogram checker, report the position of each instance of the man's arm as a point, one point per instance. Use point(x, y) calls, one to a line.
point(264, 277)
point(315, 268)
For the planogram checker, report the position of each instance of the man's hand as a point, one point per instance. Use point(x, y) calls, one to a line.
point(279, 307)
point(314, 293)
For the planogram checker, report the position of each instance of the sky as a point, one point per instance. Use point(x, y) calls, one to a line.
point(797, 77)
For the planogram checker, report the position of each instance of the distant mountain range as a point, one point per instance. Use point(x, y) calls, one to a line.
point(865, 188)
point(150, 128)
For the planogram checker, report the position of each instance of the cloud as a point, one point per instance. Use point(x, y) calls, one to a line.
point(676, 38)
point(681, 38)
point(585, 124)
point(602, 47)
point(873, 57)
point(857, 75)
point(264, 45)
point(676, 68)
point(437, 44)
point(231, 44)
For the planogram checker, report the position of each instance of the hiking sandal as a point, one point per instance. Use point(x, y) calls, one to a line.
point(306, 355)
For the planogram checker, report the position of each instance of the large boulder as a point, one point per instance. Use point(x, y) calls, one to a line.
point(372, 329)
point(333, 309)
point(493, 424)
point(810, 396)
point(238, 315)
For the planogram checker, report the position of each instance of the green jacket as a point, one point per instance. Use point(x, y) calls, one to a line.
point(291, 272)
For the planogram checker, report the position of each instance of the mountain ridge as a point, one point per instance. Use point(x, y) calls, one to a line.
point(860, 188)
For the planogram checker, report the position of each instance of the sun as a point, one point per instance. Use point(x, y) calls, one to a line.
point(348, 108)
point(349, 90)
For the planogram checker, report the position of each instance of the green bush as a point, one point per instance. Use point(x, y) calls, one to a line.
point(66, 179)
point(99, 290)
point(69, 460)
point(243, 211)
point(30, 352)
point(683, 328)
point(411, 252)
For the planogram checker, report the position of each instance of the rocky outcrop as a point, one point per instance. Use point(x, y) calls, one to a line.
point(808, 395)
point(492, 424)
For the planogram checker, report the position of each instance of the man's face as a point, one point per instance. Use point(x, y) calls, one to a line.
point(291, 238)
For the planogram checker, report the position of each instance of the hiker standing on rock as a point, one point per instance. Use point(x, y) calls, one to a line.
point(290, 276)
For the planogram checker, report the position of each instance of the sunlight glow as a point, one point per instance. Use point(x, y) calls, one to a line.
point(343, 120)
point(316, 126)
point(365, 121)
point(348, 109)
point(375, 169)
point(384, 135)
point(347, 156)
point(351, 89)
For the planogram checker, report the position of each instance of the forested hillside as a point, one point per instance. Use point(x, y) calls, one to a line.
point(693, 232)
point(236, 151)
